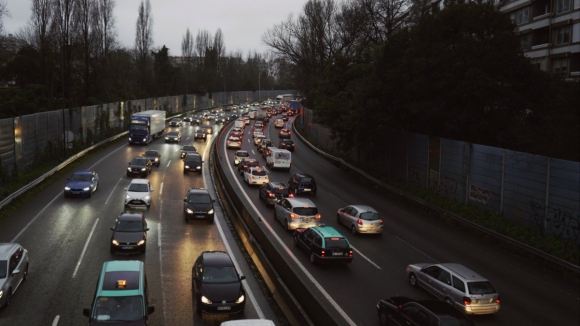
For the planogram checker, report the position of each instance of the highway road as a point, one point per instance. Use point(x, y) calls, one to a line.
point(530, 295)
point(68, 241)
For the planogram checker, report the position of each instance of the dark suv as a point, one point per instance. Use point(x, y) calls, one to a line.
point(302, 183)
point(198, 204)
point(272, 192)
point(407, 311)
point(140, 166)
point(192, 163)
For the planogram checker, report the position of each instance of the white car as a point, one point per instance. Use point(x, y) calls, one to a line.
point(258, 139)
point(234, 142)
point(138, 193)
point(279, 123)
point(239, 156)
point(256, 176)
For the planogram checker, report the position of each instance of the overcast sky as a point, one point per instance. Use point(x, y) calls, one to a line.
point(243, 22)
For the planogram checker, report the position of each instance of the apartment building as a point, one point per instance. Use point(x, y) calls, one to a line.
point(549, 31)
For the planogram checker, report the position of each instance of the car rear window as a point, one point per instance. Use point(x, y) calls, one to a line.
point(370, 216)
point(306, 210)
point(306, 180)
point(480, 288)
point(243, 154)
point(283, 191)
point(336, 242)
point(259, 172)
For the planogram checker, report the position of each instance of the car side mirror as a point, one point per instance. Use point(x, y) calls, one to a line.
point(125, 188)
point(242, 278)
point(16, 271)
point(87, 312)
point(213, 200)
point(341, 210)
point(112, 229)
point(150, 310)
point(129, 163)
point(146, 229)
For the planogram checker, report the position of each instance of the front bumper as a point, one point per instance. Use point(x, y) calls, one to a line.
point(131, 248)
point(137, 203)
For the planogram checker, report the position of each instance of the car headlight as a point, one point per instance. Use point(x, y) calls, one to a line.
point(143, 169)
point(129, 169)
point(67, 188)
point(127, 197)
point(129, 138)
point(156, 159)
point(189, 211)
point(140, 243)
point(86, 188)
point(145, 139)
point(115, 242)
point(199, 167)
point(187, 166)
point(166, 138)
point(147, 198)
point(210, 211)
point(241, 299)
point(205, 300)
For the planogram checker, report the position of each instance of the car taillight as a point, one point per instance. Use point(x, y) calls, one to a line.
point(467, 301)
point(271, 194)
point(497, 300)
point(291, 195)
point(350, 253)
point(251, 176)
point(381, 222)
point(293, 216)
point(359, 222)
point(322, 253)
point(318, 216)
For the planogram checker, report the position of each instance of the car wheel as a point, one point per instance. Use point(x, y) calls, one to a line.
point(383, 319)
point(353, 230)
point(198, 307)
point(90, 193)
point(185, 218)
point(128, 174)
point(413, 279)
point(295, 241)
point(211, 220)
point(313, 193)
point(8, 298)
point(286, 225)
point(312, 259)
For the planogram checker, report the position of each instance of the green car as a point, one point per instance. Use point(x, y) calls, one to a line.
point(323, 244)
point(121, 296)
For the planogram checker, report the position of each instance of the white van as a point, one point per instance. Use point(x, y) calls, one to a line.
point(239, 124)
point(279, 158)
point(252, 114)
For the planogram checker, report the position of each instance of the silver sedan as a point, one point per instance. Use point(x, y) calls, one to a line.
point(13, 270)
point(360, 219)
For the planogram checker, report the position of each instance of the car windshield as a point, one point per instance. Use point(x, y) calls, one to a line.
point(188, 148)
point(193, 158)
point(151, 154)
point(480, 288)
point(138, 127)
point(306, 210)
point(242, 154)
point(336, 243)
point(371, 216)
point(81, 177)
point(3, 268)
point(138, 187)
point(225, 274)
point(118, 308)
point(129, 226)
point(199, 199)
point(172, 134)
point(139, 162)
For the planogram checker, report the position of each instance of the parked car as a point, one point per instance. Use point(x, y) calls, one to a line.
point(295, 213)
point(153, 156)
point(402, 311)
point(323, 244)
point(81, 183)
point(302, 183)
point(138, 193)
point(458, 285)
point(13, 270)
point(129, 233)
point(217, 287)
point(198, 204)
point(140, 166)
point(360, 219)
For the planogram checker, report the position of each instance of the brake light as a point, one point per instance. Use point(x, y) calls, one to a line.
point(293, 216)
point(251, 176)
point(350, 253)
point(318, 216)
point(291, 195)
point(322, 253)
point(270, 194)
point(467, 301)
point(497, 300)
point(359, 222)
point(381, 221)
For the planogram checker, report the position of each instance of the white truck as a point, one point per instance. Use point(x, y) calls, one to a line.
point(239, 124)
point(279, 159)
point(146, 126)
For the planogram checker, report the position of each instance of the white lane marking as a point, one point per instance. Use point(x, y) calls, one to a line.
point(55, 321)
point(365, 257)
point(85, 248)
point(168, 163)
point(340, 200)
point(161, 260)
point(229, 249)
point(55, 197)
point(408, 244)
point(161, 189)
point(253, 152)
point(111, 193)
point(296, 261)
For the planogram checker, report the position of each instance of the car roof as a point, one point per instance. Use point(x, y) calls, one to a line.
point(84, 172)
point(465, 272)
point(241, 152)
point(216, 258)
point(131, 216)
point(300, 202)
point(302, 175)
point(327, 231)
point(197, 191)
point(364, 208)
point(173, 132)
point(277, 184)
point(143, 181)
point(6, 249)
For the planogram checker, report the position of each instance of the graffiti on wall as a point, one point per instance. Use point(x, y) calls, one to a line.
point(480, 195)
point(557, 221)
point(442, 184)
point(416, 174)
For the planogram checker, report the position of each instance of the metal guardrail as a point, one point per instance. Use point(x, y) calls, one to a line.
point(531, 250)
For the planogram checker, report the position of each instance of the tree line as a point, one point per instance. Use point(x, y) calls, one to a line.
point(456, 72)
point(68, 55)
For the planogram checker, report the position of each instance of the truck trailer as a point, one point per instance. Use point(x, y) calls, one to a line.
point(146, 126)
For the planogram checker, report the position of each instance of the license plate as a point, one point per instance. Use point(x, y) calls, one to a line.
point(338, 254)
point(306, 219)
point(127, 247)
point(76, 192)
point(224, 308)
point(306, 189)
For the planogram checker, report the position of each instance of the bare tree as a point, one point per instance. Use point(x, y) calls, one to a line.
point(105, 35)
point(383, 17)
point(144, 40)
point(186, 53)
point(202, 43)
point(64, 11)
point(4, 12)
point(85, 17)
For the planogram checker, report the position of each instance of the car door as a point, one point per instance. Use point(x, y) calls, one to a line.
point(342, 216)
point(428, 276)
point(351, 217)
point(442, 285)
point(279, 210)
point(15, 265)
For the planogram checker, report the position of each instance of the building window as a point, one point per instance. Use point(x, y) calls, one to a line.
point(562, 35)
point(521, 16)
point(563, 6)
point(540, 63)
point(560, 66)
point(525, 42)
